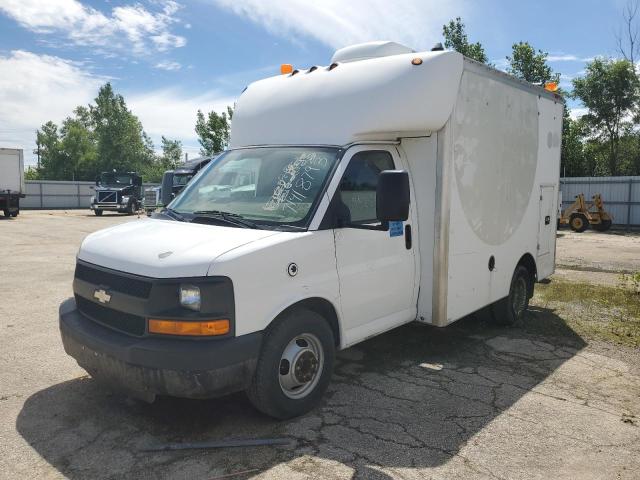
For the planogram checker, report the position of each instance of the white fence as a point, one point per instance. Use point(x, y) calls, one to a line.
point(50, 194)
point(621, 195)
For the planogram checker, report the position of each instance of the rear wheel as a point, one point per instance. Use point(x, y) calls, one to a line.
point(295, 365)
point(512, 308)
point(98, 212)
point(6, 212)
point(15, 214)
point(578, 222)
point(603, 226)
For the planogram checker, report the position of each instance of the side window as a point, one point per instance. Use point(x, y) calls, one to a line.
point(358, 186)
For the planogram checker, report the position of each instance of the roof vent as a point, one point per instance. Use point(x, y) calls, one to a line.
point(437, 47)
point(365, 51)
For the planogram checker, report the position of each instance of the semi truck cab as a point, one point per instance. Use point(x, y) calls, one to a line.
point(117, 192)
point(389, 187)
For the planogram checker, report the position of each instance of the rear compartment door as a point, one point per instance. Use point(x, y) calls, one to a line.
point(546, 231)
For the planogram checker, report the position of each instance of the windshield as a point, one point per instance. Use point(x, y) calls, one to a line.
point(272, 185)
point(181, 179)
point(115, 179)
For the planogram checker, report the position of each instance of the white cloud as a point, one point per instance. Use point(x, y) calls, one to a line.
point(576, 113)
point(168, 65)
point(172, 113)
point(562, 57)
point(129, 27)
point(35, 89)
point(336, 23)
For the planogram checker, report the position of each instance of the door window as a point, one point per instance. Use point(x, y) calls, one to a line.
point(358, 186)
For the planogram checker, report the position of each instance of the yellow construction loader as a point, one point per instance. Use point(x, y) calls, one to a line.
point(580, 215)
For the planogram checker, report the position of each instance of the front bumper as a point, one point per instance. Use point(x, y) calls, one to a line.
point(114, 207)
point(149, 366)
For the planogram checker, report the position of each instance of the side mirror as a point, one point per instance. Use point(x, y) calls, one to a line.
point(166, 189)
point(138, 181)
point(392, 196)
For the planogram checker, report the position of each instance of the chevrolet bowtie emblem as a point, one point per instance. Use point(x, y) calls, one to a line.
point(102, 296)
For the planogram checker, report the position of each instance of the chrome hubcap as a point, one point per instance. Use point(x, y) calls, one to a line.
point(301, 365)
point(519, 297)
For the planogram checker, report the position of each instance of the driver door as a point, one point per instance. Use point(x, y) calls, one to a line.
point(376, 268)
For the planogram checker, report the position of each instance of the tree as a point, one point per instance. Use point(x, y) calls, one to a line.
point(78, 147)
point(122, 144)
point(609, 90)
point(528, 65)
point(213, 131)
point(455, 38)
point(48, 139)
point(627, 37)
point(171, 153)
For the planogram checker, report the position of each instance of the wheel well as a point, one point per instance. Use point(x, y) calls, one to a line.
point(322, 307)
point(529, 263)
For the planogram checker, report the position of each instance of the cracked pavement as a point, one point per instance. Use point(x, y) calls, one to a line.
point(467, 401)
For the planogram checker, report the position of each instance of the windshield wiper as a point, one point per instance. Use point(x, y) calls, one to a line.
point(232, 218)
point(173, 214)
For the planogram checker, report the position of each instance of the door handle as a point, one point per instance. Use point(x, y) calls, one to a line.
point(407, 236)
point(547, 220)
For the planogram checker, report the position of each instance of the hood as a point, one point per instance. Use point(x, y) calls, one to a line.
point(112, 189)
point(164, 248)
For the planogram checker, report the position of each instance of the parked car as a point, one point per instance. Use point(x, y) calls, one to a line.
point(389, 187)
point(117, 192)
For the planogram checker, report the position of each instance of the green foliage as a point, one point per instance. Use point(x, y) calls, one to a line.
point(97, 138)
point(528, 65)
point(213, 131)
point(121, 141)
point(455, 38)
point(609, 89)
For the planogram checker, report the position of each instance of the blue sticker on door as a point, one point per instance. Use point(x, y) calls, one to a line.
point(396, 229)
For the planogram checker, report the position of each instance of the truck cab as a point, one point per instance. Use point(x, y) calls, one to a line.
point(388, 187)
point(117, 192)
point(173, 182)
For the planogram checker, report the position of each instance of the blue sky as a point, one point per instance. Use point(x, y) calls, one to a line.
point(169, 58)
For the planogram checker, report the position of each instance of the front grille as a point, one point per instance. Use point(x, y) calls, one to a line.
point(124, 322)
point(107, 197)
point(117, 282)
point(150, 197)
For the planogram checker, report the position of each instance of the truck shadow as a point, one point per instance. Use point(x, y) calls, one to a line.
point(409, 398)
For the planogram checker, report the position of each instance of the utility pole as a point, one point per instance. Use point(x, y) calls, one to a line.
point(38, 149)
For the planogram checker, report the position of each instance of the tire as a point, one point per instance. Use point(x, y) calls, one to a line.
point(578, 222)
point(512, 308)
point(98, 212)
point(132, 208)
point(6, 213)
point(15, 214)
point(603, 226)
point(302, 335)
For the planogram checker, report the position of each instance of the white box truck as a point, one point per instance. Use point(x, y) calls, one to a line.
point(11, 181)
point(388, 187)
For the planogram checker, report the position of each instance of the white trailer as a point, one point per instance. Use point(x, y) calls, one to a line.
point(11, 181)
point(387, 187)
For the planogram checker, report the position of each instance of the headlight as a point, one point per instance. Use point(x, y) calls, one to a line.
point(125, 199)
point(93, 199)
point(190, 297)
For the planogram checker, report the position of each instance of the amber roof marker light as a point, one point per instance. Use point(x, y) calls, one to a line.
point(551, 86)
point(416, 61)
point(286, 68)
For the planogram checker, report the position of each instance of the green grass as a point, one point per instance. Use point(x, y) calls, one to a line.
point(610, 314)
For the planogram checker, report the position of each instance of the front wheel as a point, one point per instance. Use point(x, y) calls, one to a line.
point(578, 222)
point(512, 308)
point(295, 365)
point(98, 212)
point(15, 213)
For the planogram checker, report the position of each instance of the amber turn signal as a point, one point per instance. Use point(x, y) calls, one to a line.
point(194, 329)
point(551, 86)
point(286, 68)
point(416, 61)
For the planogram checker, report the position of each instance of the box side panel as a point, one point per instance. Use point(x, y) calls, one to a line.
point(494, 189)
point(421, 157)
point(11, 171)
